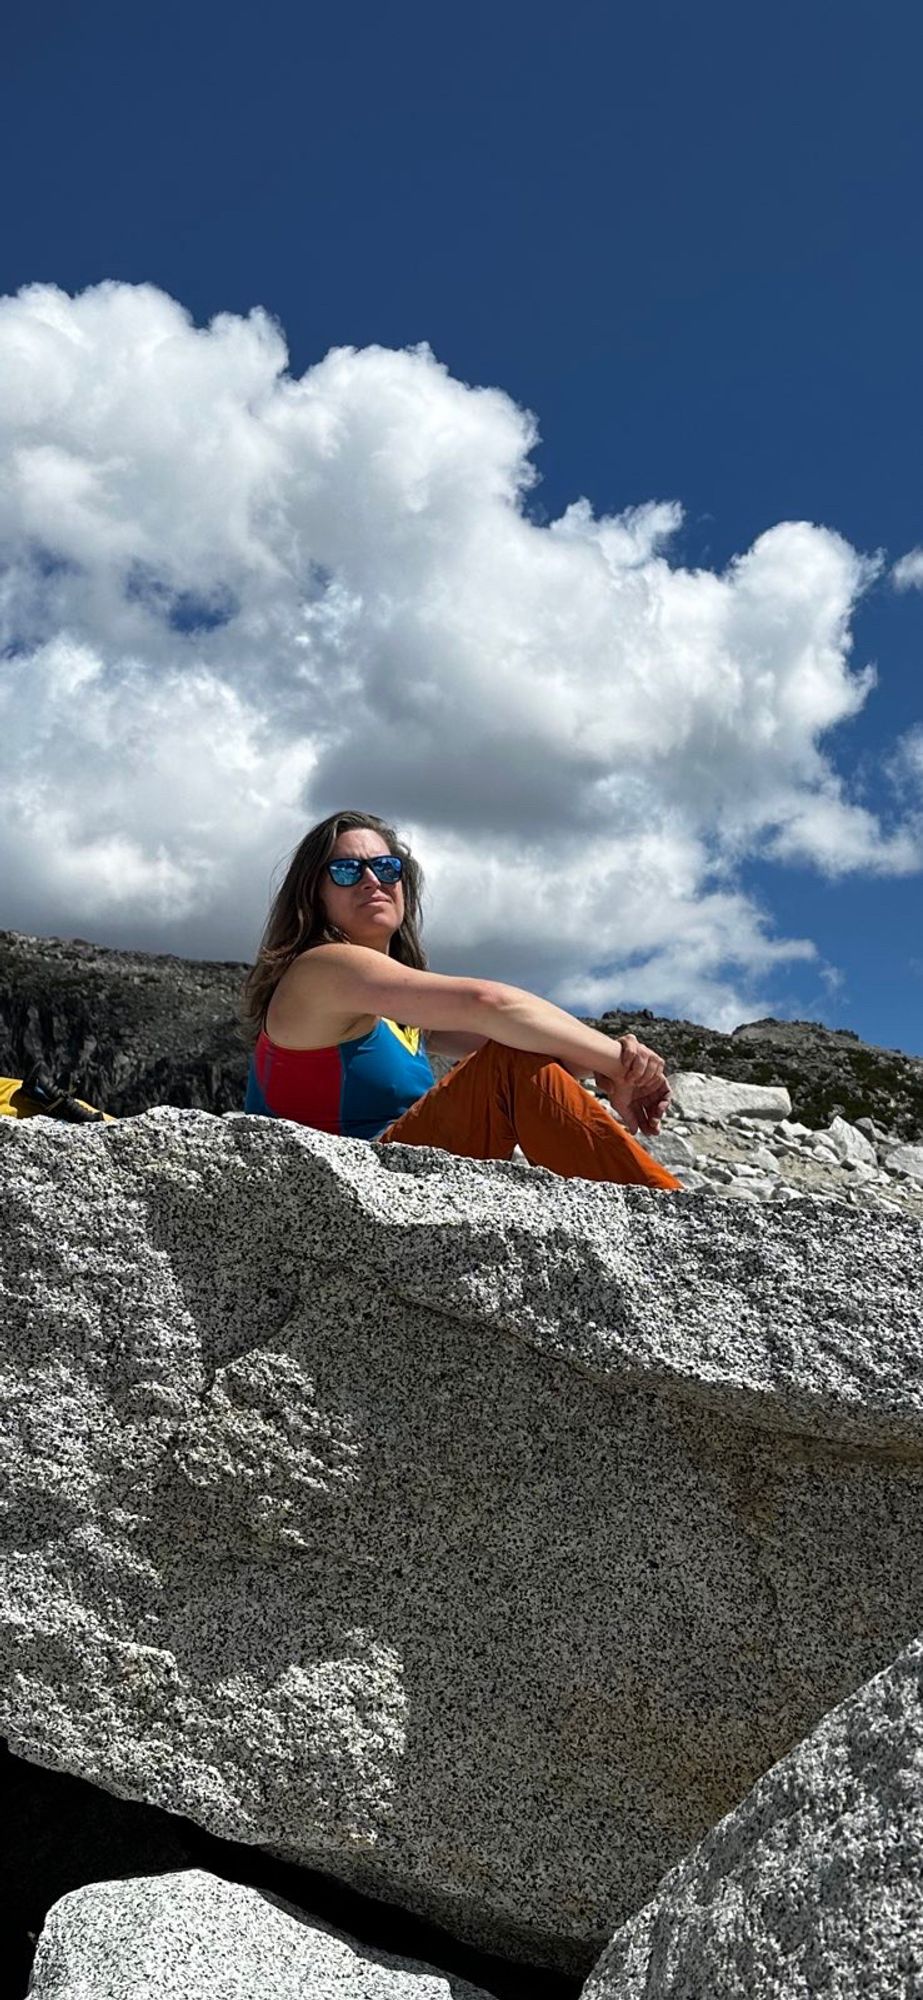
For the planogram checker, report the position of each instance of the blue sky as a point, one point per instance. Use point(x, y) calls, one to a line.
point(688, 242)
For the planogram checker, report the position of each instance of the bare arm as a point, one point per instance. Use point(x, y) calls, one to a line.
point(349, 980)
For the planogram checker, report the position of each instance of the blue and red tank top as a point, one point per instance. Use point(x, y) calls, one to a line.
point(353, 1089)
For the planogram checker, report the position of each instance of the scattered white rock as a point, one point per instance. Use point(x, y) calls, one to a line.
point(671, 1149)
point(849, 1144)
point(788, 1153)
point(906, 1160)
point(714, 1098)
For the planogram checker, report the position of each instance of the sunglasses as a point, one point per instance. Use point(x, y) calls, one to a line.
point(386, 868)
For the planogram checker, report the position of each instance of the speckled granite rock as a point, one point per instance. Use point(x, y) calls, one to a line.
point(813, 1888)
point(477, 1536)
point(196, 1937)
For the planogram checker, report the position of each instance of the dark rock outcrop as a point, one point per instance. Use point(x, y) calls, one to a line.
point(129, 1030)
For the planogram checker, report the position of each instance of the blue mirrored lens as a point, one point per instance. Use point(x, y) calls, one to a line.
point(346, 873)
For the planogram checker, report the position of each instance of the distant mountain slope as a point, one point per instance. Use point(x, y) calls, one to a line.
point(828, 1071)
point(132, 1029)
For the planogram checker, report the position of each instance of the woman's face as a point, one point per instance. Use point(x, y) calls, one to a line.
point(372, 911)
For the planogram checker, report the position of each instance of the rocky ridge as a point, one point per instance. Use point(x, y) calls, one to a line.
point(828, 1072)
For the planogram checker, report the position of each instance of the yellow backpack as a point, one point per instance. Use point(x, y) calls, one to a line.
point(37, 1096)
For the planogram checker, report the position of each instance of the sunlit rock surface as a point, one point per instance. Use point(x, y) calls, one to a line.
point(474, 1535)
point(195, 1937)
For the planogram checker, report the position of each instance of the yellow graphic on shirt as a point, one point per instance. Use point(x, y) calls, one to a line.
point(410, 1037)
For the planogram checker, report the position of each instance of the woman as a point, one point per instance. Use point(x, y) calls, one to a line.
point(341, 965)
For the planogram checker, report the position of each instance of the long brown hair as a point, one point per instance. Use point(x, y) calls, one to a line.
point(297, 919)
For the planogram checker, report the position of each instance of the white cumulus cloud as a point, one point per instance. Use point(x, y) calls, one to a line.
point(907, 574)
point(232, 600)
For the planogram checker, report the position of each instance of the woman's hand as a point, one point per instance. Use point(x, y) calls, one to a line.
point(637, 1087)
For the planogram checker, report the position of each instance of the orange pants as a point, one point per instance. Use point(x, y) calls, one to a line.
point(500, 1098)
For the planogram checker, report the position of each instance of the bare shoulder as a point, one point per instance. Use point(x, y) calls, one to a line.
point(304, 1012)
point(336, 991)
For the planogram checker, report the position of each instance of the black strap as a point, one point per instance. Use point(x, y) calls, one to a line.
point(55, 1102)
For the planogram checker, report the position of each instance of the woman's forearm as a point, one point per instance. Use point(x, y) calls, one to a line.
point(520, 1020)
